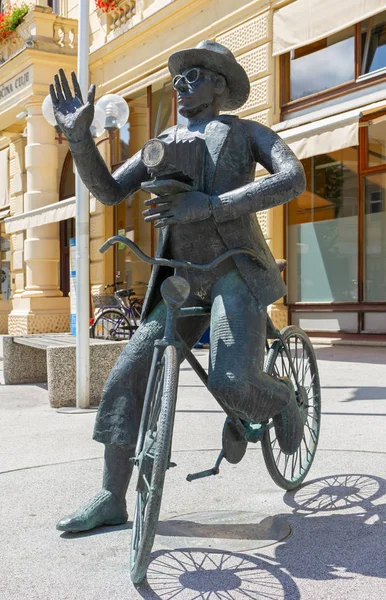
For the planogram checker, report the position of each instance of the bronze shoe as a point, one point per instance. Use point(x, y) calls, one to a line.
point(102, 509)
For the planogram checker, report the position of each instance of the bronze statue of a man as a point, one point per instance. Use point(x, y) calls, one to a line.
point(198, 226)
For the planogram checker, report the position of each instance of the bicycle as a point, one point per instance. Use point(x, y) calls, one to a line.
point(290, 354)
point(118, 316)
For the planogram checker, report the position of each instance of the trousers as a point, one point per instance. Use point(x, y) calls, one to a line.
point(235, 370)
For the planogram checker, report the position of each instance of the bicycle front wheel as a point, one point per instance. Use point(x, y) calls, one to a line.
point(288, 471)
point(153, 461)
point(112, 324)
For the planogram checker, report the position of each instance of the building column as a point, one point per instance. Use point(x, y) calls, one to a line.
point(18, 186)
point(5, 252)
point(40, 308)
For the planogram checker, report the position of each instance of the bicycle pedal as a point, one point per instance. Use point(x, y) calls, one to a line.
point(202, 474)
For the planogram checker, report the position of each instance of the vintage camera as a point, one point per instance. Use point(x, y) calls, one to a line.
point(176, 164)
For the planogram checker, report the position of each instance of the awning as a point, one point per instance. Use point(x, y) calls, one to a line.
point(306, 21)
point(141, 85)
point(52, 213)
point(321, 131)
point(323, 136)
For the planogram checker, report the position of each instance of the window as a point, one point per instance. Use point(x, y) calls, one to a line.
point(337, 233)
point(322, 65)
point(373, 44)
point(376, 142)
point(374, 191)
point(150, 114)
point(323, 231)
point(350, 59)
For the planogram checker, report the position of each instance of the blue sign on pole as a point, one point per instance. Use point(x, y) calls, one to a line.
point(73, 286)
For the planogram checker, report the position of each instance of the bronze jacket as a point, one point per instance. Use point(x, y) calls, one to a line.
point(234, 164)
point(233, 146)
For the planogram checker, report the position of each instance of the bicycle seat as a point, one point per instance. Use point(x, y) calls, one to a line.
point(281, 263)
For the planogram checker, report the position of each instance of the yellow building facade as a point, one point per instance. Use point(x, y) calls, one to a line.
point(129, 49)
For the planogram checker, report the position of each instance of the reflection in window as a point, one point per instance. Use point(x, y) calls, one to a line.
point(128, 214)
point(124, 142)
point(375, 238)
point(376, 145)
point(373, 44)
point(322, 65)
point(323, 231)
point(161, 109)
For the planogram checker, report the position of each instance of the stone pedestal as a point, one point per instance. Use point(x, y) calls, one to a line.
point(5, 309)
point(39, 315)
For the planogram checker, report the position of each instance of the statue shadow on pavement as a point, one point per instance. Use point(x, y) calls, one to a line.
point(338, 532)
point(198, 574)
point(338, 528)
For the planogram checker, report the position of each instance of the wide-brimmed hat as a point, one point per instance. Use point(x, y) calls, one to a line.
point(215, 57)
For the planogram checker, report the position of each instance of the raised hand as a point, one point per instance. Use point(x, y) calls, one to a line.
point(72, 115)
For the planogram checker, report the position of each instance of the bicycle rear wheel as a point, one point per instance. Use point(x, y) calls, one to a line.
point(288, 471)
point(112, 324)
point(136, 309)
point(153, 461)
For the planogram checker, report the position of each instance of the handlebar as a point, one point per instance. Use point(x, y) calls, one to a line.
point(166, 262)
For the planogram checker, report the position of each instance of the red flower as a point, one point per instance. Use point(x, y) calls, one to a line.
point(106, 5)
point(10, 19)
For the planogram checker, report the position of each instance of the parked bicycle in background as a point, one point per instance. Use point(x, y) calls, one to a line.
point(117, 314)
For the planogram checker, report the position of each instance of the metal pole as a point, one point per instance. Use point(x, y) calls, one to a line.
point(82, 236)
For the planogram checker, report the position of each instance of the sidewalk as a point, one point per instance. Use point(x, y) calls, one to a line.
point(336, 549)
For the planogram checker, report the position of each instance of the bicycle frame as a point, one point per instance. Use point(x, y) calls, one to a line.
point(171, 336)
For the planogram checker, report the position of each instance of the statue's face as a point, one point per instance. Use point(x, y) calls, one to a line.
point(196, 89)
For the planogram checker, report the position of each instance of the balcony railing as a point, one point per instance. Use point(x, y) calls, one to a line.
point(126, 14)
point(41, 30)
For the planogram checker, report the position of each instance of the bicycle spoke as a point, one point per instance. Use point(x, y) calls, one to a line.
point(311, 432)
point(278, 457)
point(294, 461)
point(300, 456)
point(286, 464)
point(305, 443)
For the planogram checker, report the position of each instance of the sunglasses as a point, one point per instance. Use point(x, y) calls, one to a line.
point(190, 76)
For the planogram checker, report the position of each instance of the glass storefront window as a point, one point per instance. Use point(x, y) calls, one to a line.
point(161, 109)
point(128, 215)
point(323, 231)
point(375, 238)
point(5, 268)
point(322, 65)
point(373, 44)
point(66, 228)
point(124, 143)
point(376, 142)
